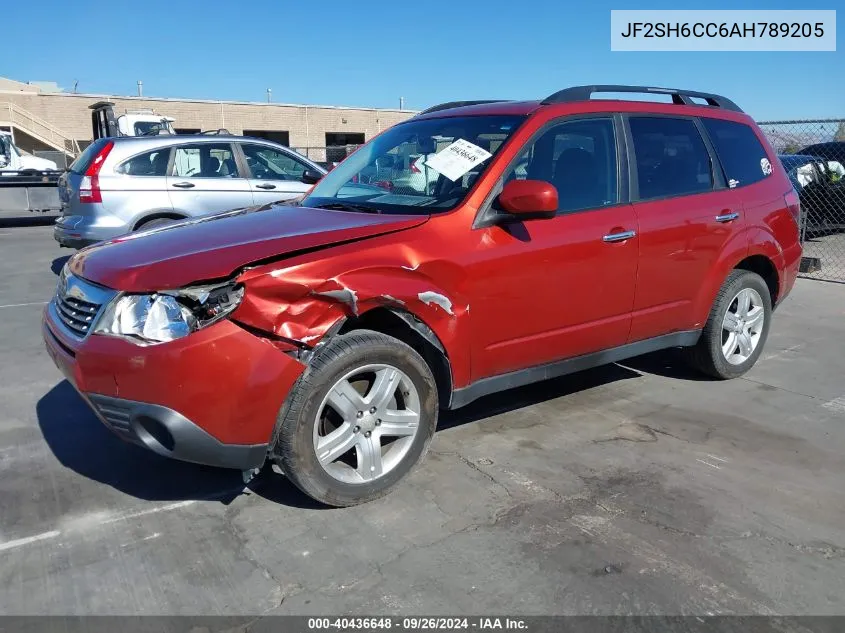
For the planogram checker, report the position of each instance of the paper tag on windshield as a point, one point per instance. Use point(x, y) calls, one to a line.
point(454, 160)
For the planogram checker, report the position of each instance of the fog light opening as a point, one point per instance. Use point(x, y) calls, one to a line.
point(155, 431)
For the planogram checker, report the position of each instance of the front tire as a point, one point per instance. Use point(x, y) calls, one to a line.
point(358, 420)
point(737, 328)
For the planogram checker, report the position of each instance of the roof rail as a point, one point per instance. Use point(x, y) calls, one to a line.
point(679, 97)
point(457, 104)
point(218, 132)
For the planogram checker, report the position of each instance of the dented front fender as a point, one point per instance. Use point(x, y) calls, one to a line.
point(303, 303)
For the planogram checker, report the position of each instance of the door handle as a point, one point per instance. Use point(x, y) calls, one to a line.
point(265, 185)
point(183, 185)
point(619, 237)
point(727, 217)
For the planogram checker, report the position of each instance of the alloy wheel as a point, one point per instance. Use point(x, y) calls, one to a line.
point(366, 423)
point(742, 326)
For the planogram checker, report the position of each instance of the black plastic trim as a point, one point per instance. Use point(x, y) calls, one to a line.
point(190, 443)
point(679, 97)
point(717, 169)
point(486, 386)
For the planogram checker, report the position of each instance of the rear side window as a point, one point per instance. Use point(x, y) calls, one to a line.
point(739, 150)
point(267, 163)
point(205, 160)
point(671, 157)
point(149, 164)
point(84, 159)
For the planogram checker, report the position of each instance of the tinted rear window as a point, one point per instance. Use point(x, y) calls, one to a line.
point(672, 159)
point(152, 163)
point(740, 152)
point(84, 159)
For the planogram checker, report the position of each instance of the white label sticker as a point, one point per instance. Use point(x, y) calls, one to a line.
point(766, 166)
point(454, 160)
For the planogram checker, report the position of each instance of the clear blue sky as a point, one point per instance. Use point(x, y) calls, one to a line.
point(369, 52)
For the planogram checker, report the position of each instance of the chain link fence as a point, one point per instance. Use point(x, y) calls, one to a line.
point(327, 156)
point(813, 154)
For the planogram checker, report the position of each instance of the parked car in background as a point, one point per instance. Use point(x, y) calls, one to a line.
point(559, 235)
point(832, 151)
point(12, 159)
point(820, 189)
point(119, 185)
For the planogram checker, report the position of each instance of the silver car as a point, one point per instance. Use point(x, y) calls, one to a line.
point(119, 185)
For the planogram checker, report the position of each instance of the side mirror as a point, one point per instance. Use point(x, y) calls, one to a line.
point(310, 177)
point(529, 199)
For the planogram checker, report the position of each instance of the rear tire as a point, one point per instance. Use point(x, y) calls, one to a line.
point(154, 223)
point(737, 327)
point(358, 420)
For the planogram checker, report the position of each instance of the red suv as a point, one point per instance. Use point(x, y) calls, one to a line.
point(476, 247)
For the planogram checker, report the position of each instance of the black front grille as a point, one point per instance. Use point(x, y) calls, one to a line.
point(76, 314)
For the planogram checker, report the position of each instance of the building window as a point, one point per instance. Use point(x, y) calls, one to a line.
point(282, 137)
point(337, 142)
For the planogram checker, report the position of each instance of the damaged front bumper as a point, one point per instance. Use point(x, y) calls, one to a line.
point(211, 398)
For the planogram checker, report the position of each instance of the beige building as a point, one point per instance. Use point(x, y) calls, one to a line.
point(44, 118)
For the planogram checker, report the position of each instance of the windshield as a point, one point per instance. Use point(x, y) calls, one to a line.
point(149, 128)
point(4, 145)
point(422, 166)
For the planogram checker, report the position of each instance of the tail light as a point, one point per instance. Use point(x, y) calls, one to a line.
point(89, 187)
point(414, 169)
point(793, 202)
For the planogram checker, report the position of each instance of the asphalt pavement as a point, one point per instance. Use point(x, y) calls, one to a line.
point(639, 488)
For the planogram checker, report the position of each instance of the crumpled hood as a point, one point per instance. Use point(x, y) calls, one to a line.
point(213, 247)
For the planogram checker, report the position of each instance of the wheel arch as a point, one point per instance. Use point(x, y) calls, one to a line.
point(157, 215)
point(764, 267)
point(755, 250)
point(414, 332)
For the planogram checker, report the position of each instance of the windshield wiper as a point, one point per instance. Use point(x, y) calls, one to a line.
point(347, 206)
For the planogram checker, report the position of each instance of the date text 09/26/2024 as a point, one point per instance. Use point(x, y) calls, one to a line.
point(417, 623)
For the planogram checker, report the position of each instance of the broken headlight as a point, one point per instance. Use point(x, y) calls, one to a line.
point(169, 314)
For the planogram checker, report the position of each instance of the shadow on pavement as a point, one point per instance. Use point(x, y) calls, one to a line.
point(27, 220)
point(82, 443)
point(513, 399)
point(669, 363)
point(58, 263)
